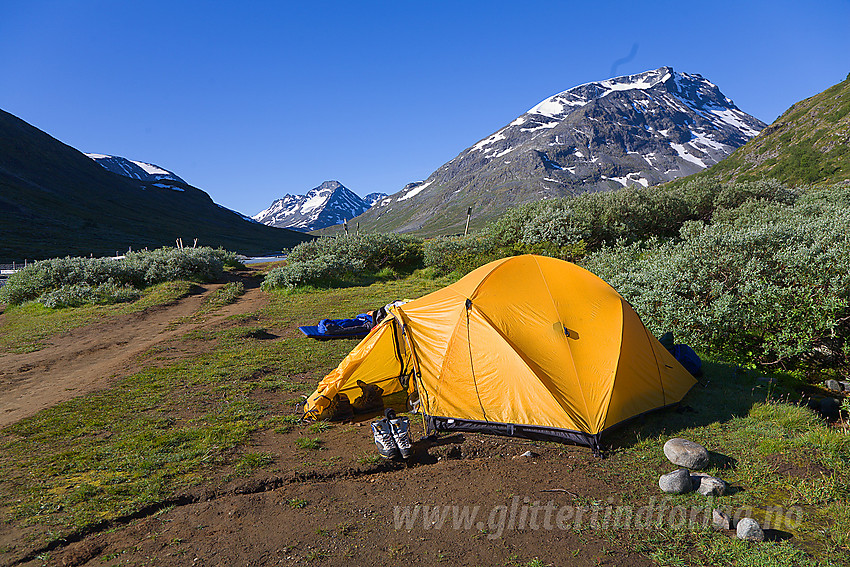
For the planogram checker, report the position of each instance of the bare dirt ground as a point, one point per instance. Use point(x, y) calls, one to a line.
point(338, 505)
point(89, 358)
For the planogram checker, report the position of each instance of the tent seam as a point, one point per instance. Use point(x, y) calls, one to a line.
point(555, 307)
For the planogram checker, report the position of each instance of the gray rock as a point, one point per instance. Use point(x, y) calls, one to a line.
point(829, 408)
point(845, 385)
point(686, 453)
point(676, 482)
point(721, 520)
point(833, 385)
point(749, 530)
point(708, 485)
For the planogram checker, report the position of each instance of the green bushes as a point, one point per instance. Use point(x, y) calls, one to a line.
point(459, 254)
point(325, 261)
point(464, 254)
point(567, 228)
point(763, 283)
point(81, 294)
point(75, 281)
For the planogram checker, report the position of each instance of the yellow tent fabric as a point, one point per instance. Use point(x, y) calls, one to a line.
point(528, 346)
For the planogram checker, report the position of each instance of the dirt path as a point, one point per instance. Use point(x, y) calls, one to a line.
point(466, 500)
point(90, 358)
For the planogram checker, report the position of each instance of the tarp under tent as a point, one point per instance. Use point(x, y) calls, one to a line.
point(527, 346)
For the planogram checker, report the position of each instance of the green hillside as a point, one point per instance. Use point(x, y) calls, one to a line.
point(809, 143)
point(55, 201)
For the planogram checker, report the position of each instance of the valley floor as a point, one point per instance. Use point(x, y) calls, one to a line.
point(170, 436)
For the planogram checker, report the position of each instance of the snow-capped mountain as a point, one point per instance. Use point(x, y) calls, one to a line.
point(138, 170)
point(373, 198)
point(641, 129)
point(328, 204)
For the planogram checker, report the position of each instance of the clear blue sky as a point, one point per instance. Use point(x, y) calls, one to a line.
point(252, 100)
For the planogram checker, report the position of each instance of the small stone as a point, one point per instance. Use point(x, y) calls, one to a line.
point(528, 455)
point(829, 408)
point(749, 530)
point(676, 482)
point(708, 485)
point(845, 385)
point(686, 453)
point(833, 385)
point(721, 520)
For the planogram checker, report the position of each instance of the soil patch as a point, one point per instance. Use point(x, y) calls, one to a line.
point(91, 357)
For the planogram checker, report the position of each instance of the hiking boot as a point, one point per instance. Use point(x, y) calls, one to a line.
point(400, 427)
point(384, 439)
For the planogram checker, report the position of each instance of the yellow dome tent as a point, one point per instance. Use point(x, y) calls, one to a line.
point(527, 346)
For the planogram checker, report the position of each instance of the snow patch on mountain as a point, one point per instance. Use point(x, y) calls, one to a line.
point(138, 170)
point(415, 191)
point(374, 198)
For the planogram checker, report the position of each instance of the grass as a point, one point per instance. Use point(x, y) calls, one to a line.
point(319, 427)
point(311, 443)
point(224, 295)
point(740, 417)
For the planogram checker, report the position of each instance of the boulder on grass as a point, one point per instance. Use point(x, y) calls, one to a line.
point(708, 485)
point(749, 530)
point(676, 482)
point(686, 453)
point(833, 385)
point(721, 520)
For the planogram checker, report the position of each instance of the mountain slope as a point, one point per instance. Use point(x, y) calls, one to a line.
point(326, 205)
point(135, 169)
point(640, 129)
point(809, 143)
point(55, 201)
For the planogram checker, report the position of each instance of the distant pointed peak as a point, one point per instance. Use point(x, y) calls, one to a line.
point(332, 184)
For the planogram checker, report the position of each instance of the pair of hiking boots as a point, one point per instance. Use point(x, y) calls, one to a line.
point(392, 435)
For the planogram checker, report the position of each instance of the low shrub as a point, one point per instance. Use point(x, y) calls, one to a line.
point(324, 270)
point(136, 269)
point(83, 294)
point(330, 261)
point(375, 251)
point(764, 283)
point(568, 228)
point(460, 254)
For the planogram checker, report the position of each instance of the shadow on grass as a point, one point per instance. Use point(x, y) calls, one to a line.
point(725, 392)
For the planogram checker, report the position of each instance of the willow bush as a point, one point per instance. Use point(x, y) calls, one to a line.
point(764, 282)
point(77, 278)
point(329, 261)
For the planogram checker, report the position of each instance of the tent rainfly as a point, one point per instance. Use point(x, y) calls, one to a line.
point(527, 346)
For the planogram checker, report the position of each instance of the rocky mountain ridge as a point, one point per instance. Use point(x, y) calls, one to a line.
point(642, 129)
